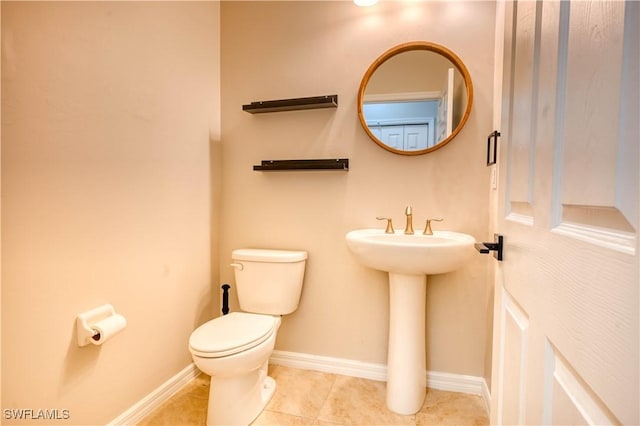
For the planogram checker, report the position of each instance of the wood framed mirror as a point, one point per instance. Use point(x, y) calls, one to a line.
point(415, 98)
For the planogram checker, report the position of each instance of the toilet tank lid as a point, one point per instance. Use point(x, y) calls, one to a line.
point(269, 255)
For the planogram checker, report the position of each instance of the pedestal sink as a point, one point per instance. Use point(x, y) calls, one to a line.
point(408, 259)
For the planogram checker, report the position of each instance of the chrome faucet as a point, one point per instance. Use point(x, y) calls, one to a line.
point(409, 228)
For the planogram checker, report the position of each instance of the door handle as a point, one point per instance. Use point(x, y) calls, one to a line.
point(496, 246)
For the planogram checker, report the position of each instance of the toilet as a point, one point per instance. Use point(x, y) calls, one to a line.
point(234, 349)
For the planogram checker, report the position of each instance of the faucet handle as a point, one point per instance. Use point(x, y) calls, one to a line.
point(409, 228)
point(389, 229)
point(427, 227)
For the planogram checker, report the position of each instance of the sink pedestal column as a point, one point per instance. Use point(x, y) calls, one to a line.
point(406, 360)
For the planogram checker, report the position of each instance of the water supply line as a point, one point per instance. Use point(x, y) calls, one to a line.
point(225, 299)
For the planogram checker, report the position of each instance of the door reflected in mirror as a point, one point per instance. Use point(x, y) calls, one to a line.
point(415, 98)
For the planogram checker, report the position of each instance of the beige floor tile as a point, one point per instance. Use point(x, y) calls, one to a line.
point(310, 398)
point(299, 392)
point(356, 401)
point(451, 408)
point(188, 407)
point(326, 423)
point(199, 387)
point(268, 417)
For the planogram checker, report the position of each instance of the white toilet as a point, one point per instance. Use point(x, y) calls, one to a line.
point(234, 349)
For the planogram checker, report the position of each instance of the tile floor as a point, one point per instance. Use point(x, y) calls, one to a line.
point(306, 397)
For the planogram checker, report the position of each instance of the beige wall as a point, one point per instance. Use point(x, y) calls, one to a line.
point(110, 173)
point(422, 71)
point(115, 181)
point(275, 50)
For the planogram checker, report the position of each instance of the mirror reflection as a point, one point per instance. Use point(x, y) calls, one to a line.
point(415, 98)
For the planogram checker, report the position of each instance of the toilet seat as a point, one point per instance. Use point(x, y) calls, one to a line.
point(231, 334)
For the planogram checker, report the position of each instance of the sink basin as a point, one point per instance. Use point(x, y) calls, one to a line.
point(416, 254)
point(408, 259)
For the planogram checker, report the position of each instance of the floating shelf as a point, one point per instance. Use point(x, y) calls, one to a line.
point(283, 165)
point(314, 102)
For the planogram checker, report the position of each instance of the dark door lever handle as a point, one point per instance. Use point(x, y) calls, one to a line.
point(495, 246)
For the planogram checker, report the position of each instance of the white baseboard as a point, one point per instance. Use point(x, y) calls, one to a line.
point(146, 405)
point(486, 396)
point(325, 364)
point(346, 367)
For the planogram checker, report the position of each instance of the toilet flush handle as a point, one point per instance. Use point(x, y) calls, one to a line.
point(238, 266)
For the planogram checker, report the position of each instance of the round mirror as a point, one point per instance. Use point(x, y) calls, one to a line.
point(415, 98)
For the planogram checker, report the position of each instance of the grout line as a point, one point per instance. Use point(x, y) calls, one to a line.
point(333, 383)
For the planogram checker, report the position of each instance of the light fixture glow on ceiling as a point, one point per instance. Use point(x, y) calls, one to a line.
point(365, 2)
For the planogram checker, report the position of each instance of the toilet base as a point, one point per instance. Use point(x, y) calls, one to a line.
point(238, 400)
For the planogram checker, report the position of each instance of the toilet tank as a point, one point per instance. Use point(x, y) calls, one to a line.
point(269, 281)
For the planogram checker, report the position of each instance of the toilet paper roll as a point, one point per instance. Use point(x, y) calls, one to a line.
point(107, 328)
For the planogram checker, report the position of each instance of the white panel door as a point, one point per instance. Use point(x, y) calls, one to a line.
point(450, 86)
point(416, 136)
point(393, 136)
point(567, 299)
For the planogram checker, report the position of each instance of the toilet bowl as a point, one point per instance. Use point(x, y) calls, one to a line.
point(234, 349)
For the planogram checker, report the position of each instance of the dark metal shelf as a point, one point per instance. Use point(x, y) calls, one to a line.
point(341, 164)
point(314, 102)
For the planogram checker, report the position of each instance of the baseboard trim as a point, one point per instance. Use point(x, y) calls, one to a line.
point(346, 367)
point(146, 405)
point(325, 364)
point(486, 396)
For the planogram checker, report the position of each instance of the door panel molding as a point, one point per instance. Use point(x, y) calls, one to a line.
point(568, 398)
point(567, 294)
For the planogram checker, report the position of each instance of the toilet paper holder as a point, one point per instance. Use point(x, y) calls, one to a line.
point(86, 320)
